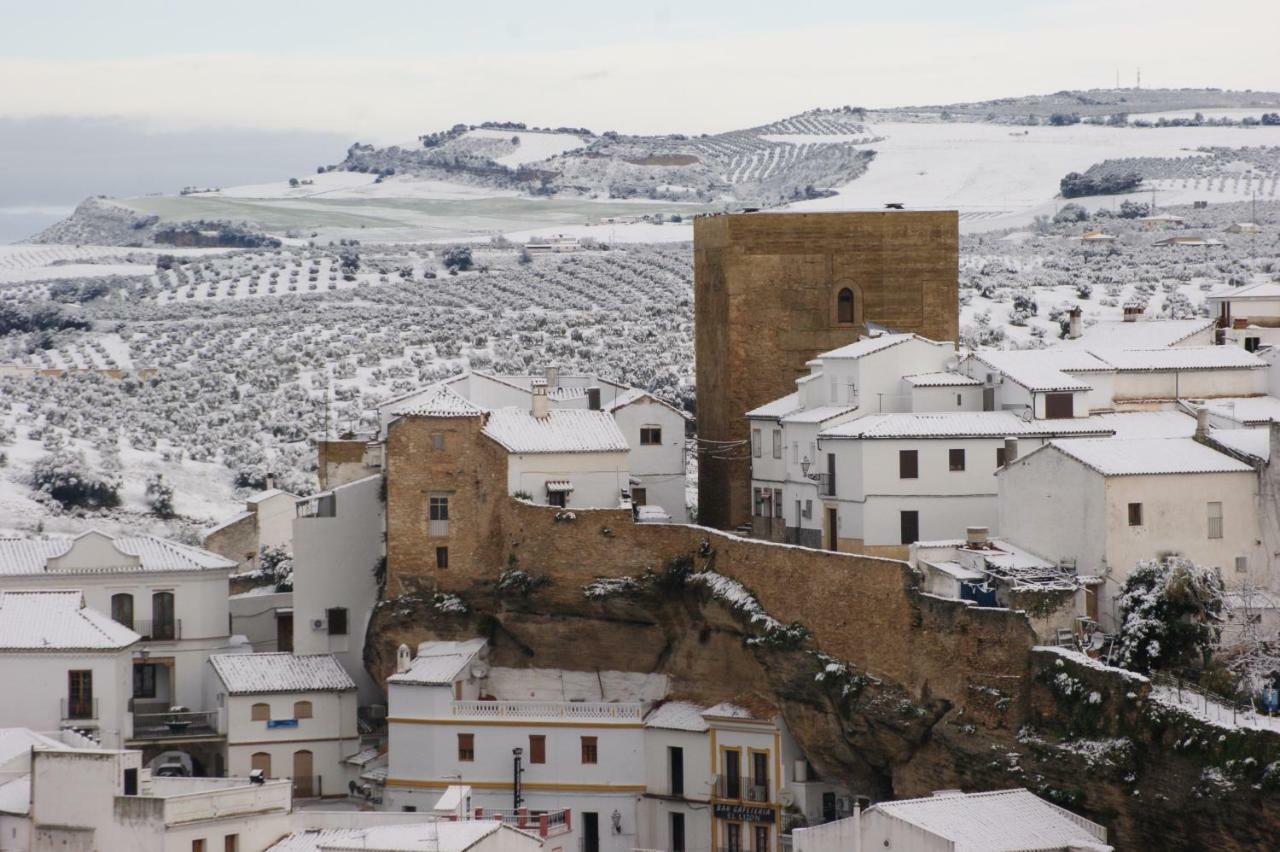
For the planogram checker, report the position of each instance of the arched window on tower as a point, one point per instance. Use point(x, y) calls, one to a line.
point(844, 306)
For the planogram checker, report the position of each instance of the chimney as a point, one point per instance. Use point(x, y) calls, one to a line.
point(976, 536)
point(1010, 451)
point(1132, 312)
point(271, 481)
point(553, 377)
point(593, 398)
point(1075, 326)
point(541, 405)
point(1202, 423)
point(403, 659)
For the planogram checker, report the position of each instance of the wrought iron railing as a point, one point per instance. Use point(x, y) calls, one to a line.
point(184, 723)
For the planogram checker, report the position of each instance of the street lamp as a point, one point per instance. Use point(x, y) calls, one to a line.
point(517, 771)
point(805, 464)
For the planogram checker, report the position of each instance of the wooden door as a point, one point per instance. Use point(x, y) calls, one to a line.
point(284, 632)
point(832, 520)
point(261, 760)
point(303, 782)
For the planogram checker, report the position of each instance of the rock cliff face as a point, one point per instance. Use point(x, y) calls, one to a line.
point(905, 695)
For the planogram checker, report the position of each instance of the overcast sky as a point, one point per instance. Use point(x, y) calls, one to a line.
point(382, 71)
point(129, 96)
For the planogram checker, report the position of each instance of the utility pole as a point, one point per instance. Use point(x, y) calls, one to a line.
point(1139, 86)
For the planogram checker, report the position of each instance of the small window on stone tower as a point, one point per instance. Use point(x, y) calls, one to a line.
point(844, 307)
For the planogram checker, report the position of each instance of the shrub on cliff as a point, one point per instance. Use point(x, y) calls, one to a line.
point(1169, 610)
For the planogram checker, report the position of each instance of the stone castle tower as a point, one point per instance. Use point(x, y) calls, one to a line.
point(772, 290)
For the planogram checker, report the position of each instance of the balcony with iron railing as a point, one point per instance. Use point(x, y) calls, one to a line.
point(158, 630)
point(543, 823)
point(175, 724)
point(78, 709)
point(826, 484)
point(741, 788)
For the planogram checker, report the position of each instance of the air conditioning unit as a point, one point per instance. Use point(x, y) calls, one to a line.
point(317, 624)
point(991, 379)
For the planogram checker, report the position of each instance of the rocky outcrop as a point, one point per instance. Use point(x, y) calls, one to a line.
point(894, 692)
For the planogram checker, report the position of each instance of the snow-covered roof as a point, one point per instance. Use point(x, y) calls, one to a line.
point(677, 716)
point(436, 401)
point(1145, 456)
point(634, 395)
point(780, 407)
point(268, 493)
point(958, 424)
point(1043, 370)
point(955, 570)
point(57, 621)
point(1263, 290)
point(257, 674)
point(1002, 819)
point(15, 796)
point(1180, 358)
point(1146, 334)
point(1147, 424)
point(867, 346)
point(426, 836)
point(818, 414)
point(1253, 442)
point(439, 663)
point(940, 380)
point(1248, 410)
point(128, 553)
point(243, 516)
point(563, 430)
point(17, 742)
point(727, 710)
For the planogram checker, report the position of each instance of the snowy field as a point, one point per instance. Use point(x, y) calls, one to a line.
point(533, 147)
point(1003, 177)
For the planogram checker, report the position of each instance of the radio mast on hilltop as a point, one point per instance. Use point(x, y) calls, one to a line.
point(1139, 85)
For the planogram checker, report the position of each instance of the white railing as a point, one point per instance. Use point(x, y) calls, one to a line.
point(601, 711)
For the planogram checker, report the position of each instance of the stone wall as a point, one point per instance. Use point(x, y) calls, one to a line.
point(237, 541)
point(765, 287)
point(470, 470)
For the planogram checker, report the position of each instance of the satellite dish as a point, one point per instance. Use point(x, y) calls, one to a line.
point(787, 797)
point(951, 363)
point(479, 670)
point(1027, 415)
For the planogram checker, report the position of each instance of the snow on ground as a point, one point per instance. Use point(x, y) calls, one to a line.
point(1207, 710)
point(1001, 177)
point(533, 148)
point(1235, 113)
point(73, 270)
point(631, 232)
point(319, 184)
point(818, 138)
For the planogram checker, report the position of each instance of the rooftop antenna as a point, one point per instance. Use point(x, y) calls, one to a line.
point(1139, 86)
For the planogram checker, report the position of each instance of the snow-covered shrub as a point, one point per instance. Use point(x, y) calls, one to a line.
point(159, 497)
point(1168, 609)
point(276, 565)
point(65, 476)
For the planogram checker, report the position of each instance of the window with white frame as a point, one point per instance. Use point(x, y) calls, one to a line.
point(777, 443)
point(438, 514)
point(1215, 520)
point(756, 449)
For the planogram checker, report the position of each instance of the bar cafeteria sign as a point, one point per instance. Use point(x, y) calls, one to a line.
point(743, 813)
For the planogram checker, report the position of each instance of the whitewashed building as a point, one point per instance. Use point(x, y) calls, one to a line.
point(68, 666)
point(652, 429)
point(951, 820)
point(267, 521)
point(174, 596)
point(600, 751)
point(338, 546)
point(289, 716)
point(1103, 505)
point(1248, 315)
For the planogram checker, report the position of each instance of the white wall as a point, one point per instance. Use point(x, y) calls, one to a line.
point(946, 398)
point(598, 479)
point(1184, 384)
point(660, 468)
point(333, 564)
point(200, 600)
point(253, 616)
point(330, 735)
point(38, 685)
point(1046, 500)
point(275, 521)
